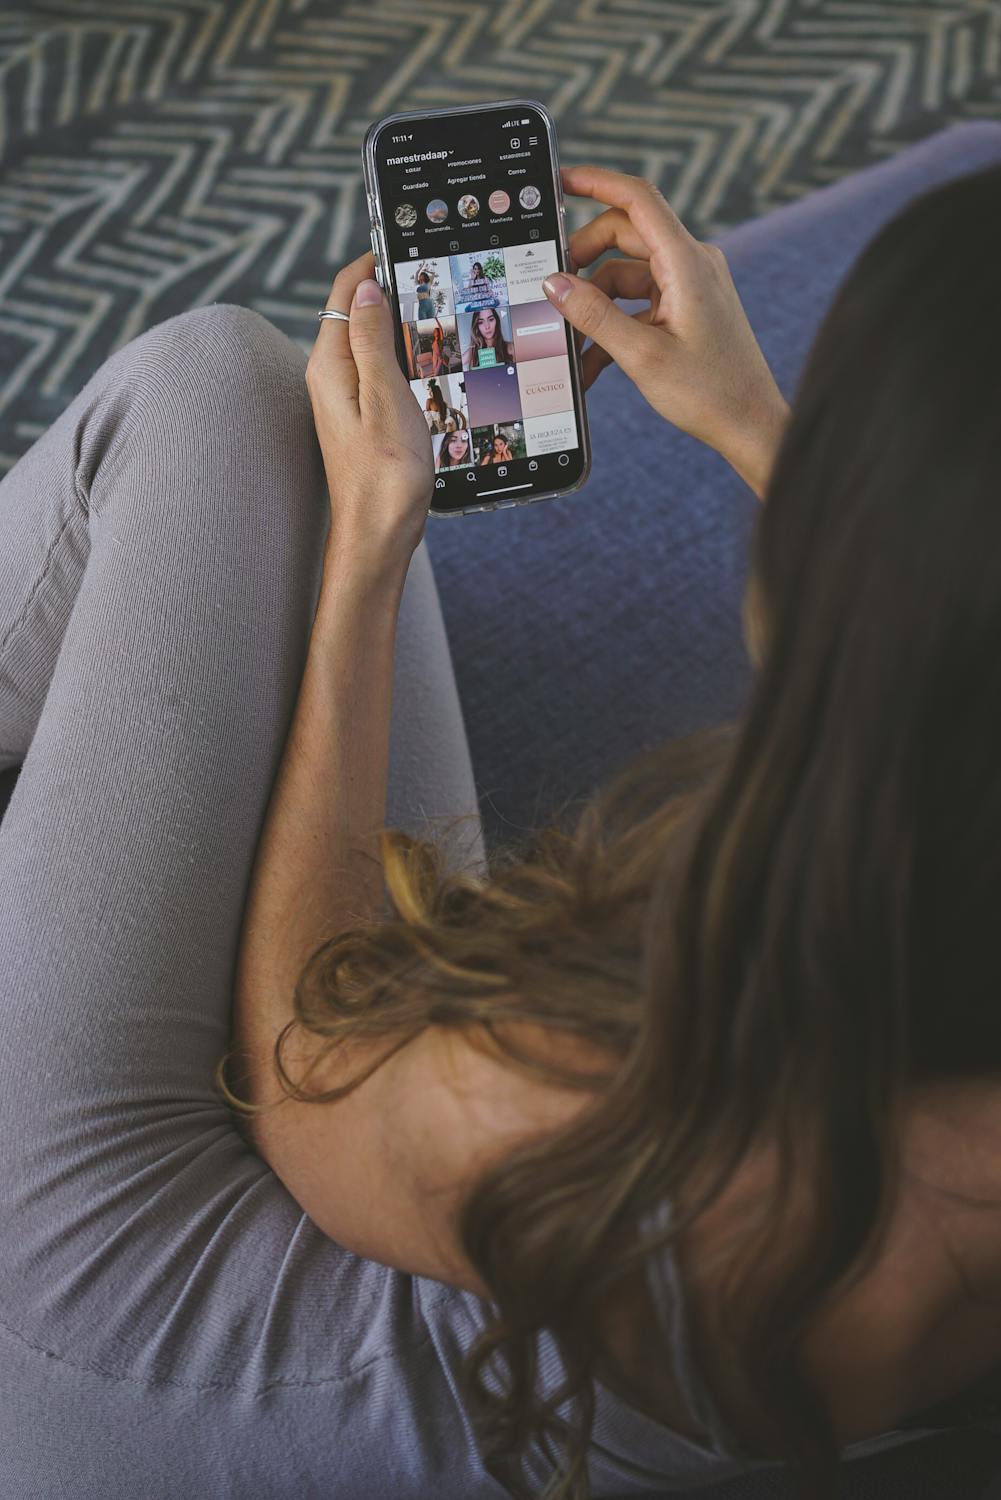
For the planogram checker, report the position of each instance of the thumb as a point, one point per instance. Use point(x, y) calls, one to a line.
point(371, 333)
point(587, 308)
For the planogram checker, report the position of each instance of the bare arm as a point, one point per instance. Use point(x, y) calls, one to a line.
point(330, 792)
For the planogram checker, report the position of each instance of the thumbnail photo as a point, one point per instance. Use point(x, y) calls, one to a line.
point(492, 395)
point(424, 288)
point(485, 337)
point(432, 347)
point(437, 210)
point(524, 268)
point(469, 206)
point(478, 280)
point(499, 443)
point(538, 330)
point(550, 434)
point(453, 450)
point(443, 402)
point(544, 387)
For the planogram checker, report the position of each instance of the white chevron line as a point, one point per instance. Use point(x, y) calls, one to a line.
point(31, 53)
point(799, 55)
point(100, 84)
point(292, 60)
point(182, 157)
point(867, 79)
point(215, 14)
point(426, 50)
point(515, 29)
point(297, 311)
point(771, 120)
point(743, 15)
point(97, 305)
point(700, 145)
point(311, 209)
point(132, 135)
point(146, 264)
point(231, 40)
point(644, 43)
point(962, 63)
point(992, 53)
point(156, 243)
point(192, 227)
point(933, 13)
point(253, 240)
point(878, 24)
point(266, 20)
point(41, 310)
point(685, 43)
point(807, 121)
point(341, 39)
point(55, 170)
point(934, 68)
point(39, 340)
point(772, 19)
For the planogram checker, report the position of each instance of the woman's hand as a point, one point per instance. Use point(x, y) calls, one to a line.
point(692, 352)
point(374, 438)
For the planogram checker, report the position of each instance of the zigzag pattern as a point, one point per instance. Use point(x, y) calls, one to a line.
point(157, 156)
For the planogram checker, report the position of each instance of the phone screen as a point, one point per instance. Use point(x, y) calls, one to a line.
point(471, 225)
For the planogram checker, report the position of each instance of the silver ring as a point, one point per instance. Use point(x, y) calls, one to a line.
point(333, 313)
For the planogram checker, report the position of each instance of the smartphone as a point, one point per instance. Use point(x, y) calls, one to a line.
point(467, 217)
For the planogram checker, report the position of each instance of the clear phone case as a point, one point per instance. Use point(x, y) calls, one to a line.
point(382, 259)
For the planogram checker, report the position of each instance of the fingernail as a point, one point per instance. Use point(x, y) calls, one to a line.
point(367, 292)
point(557, 286)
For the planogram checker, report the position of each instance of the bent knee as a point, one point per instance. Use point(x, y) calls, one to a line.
point(218, 389)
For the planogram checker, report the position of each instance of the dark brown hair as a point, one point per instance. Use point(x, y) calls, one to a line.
point(774, 928)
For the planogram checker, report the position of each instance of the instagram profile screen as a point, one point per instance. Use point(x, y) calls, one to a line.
point(470, 226)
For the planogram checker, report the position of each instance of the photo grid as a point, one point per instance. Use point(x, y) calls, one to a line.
point(487, 355)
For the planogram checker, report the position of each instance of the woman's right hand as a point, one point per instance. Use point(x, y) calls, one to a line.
point(692, 352)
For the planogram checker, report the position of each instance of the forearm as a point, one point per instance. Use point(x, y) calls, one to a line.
point(317, 864)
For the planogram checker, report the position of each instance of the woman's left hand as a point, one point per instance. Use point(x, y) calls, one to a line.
point(374, 439)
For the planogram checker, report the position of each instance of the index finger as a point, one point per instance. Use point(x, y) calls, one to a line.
point(332, 347)
point(646, 206)
point(643, 201)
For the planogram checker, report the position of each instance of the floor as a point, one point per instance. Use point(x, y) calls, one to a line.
point(157, 157)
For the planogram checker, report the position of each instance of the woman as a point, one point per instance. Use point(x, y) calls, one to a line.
point(439, 358)
point(485, 332)
point(497, 450)
point(440, 416)
point(734, 966)
point(478, 290)
point(553, 1075)
point(455, 450)
point(424, 304)
point(436, 409)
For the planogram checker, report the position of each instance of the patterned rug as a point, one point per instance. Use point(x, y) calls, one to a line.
point(157, 156)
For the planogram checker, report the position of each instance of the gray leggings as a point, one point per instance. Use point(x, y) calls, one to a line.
point(160, 563)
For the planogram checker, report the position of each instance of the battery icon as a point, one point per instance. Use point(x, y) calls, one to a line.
point(526, 122)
